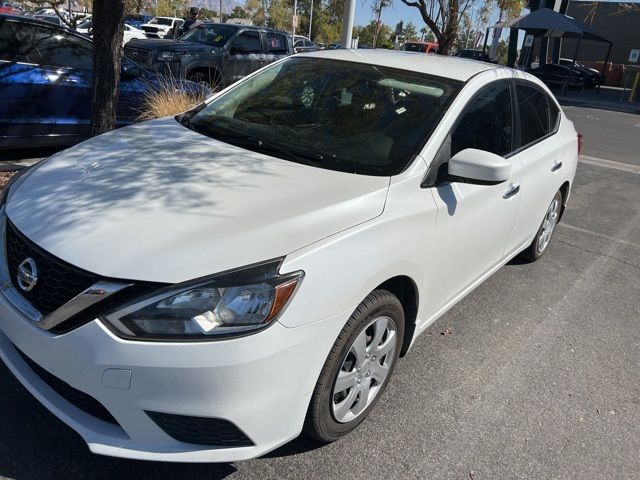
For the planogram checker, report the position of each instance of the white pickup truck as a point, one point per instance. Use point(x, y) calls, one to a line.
point(161, 27)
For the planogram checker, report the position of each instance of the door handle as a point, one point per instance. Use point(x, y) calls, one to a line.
point(512, 191)
point(556, 166)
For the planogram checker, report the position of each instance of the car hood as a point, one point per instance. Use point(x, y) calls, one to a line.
point(171, 45)
point(158, 202)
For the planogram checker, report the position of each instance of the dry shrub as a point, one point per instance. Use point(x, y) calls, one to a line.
point(167, 98)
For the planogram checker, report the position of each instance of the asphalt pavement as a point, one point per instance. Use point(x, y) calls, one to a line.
point(537, 377)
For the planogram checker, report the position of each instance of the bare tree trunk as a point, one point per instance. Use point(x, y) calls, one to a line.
point(108, 30)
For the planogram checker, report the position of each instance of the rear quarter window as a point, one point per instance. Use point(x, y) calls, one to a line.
point(276, 43)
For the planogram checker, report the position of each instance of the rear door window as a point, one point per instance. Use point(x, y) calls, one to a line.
point(535, 115)
point(277, 44)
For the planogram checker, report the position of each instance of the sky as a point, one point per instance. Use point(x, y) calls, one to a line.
point(390, 16)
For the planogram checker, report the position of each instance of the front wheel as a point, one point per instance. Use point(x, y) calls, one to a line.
point(358, 367)
point(545, 232)
point(211, 81)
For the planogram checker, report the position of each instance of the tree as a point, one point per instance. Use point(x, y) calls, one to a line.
point(134, 6)
point(410, 31)
point(367, 33)
point(238, 12)
point(443, 17)
point(168, 8)
point(108, 31)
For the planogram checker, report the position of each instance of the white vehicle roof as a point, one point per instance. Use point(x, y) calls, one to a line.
point(455, 68)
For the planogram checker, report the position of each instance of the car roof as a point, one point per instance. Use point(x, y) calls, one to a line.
point(456, 68)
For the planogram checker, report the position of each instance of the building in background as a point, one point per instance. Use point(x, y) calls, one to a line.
point(616, 21)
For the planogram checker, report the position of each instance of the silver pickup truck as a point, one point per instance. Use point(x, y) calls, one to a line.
point(212, 53)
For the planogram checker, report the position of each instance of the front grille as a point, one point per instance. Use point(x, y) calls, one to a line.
point(79, 399)
point(201, 430)
point(138, 55)
point(58, 282)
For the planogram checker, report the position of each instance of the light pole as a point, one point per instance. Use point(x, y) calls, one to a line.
point(295, 18)
point(310, 19)
point(347, 22)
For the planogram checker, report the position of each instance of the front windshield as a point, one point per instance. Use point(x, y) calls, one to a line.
point(162, 21)
point(351, 117)
point(214, 35)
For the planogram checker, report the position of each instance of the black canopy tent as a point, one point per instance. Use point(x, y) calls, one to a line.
point(549, 23)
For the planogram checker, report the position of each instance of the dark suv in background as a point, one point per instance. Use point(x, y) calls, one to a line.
point(212, 53)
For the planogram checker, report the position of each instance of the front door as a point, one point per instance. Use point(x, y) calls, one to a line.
point(474, 222)
point(245, 55)
point(68, 64)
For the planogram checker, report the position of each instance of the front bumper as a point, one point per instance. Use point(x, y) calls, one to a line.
point(261, 383)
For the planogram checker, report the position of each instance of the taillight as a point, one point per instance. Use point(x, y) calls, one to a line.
point(580, 143)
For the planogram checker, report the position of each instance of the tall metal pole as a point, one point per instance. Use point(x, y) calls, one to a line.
point(310, 19)
point(347, 22)
point(295, 14)
point(220, 12)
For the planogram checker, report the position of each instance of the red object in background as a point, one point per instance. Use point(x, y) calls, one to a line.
point(425, 47)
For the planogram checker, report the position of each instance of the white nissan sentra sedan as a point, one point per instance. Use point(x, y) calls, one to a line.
point(206, 287)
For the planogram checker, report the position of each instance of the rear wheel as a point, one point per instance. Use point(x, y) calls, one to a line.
point(542, 239)
point(358, 367)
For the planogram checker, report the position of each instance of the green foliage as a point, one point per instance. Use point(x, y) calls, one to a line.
point(326, 26)
point(410, 31)
point(238, 12)
point(365, 35)
point(170, 8)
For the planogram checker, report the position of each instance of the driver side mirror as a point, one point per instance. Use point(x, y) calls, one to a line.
point(479, 167)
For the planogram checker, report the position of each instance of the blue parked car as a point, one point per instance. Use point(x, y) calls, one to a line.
point(46, 75)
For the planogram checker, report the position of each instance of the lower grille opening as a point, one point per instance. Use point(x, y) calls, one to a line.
point(79, 399)
point(201, 430)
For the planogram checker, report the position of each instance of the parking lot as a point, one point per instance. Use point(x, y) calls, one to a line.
point(534, 375)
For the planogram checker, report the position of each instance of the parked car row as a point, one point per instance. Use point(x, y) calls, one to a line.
point(213, 54)
point(46, 75)
point(130, 32)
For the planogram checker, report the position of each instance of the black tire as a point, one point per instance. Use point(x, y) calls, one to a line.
point(533, 251)
point(320, 422)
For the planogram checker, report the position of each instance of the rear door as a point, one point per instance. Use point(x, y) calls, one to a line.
point(541, 153)
point(246, 55)
point(25, 110)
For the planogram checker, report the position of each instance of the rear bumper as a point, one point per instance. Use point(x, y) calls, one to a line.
point(260, 383)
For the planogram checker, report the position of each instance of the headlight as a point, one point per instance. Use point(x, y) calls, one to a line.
point(167, 56)
point(236, 303)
